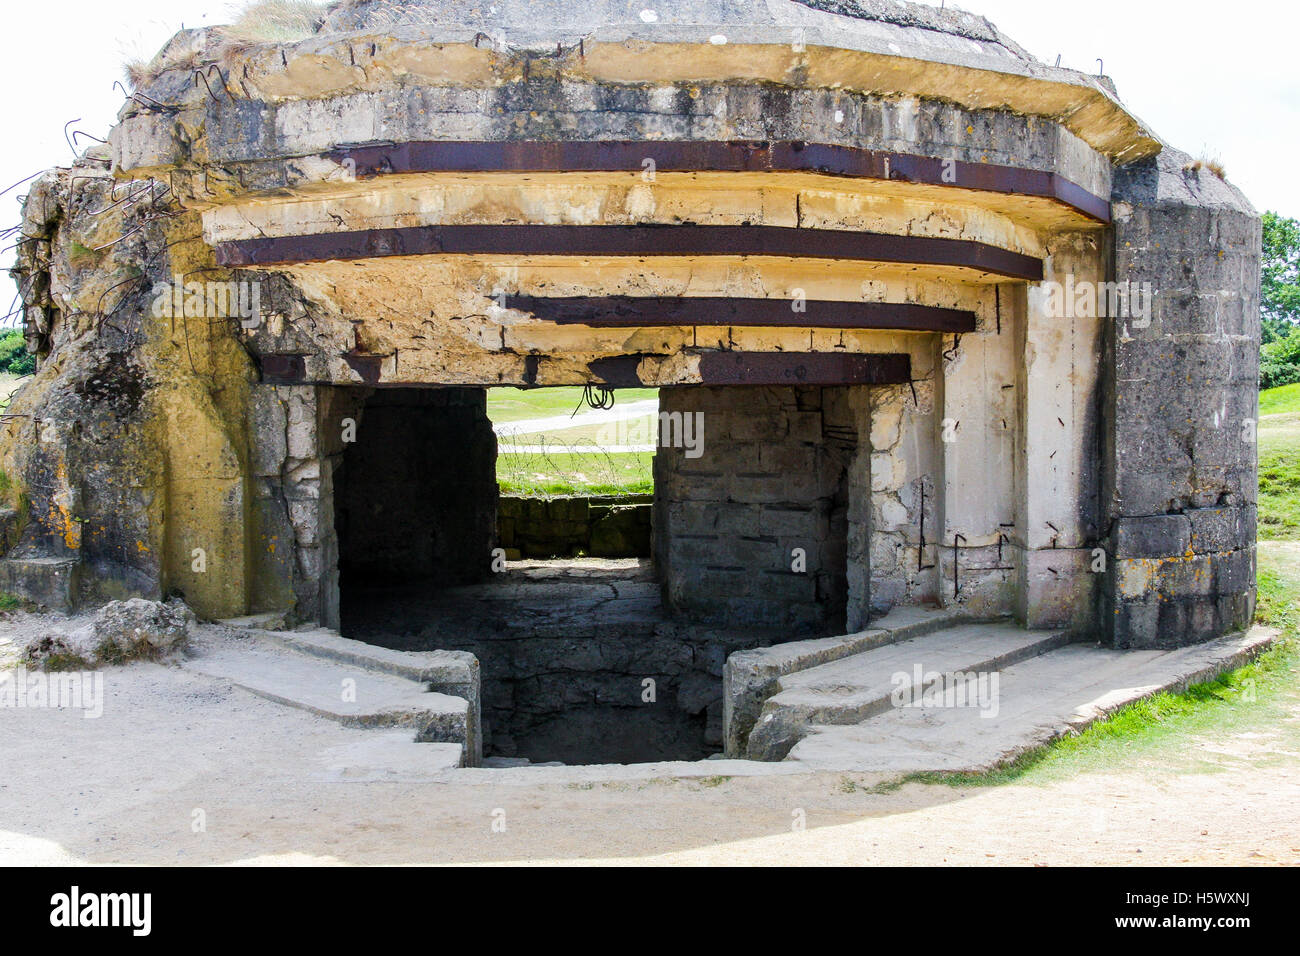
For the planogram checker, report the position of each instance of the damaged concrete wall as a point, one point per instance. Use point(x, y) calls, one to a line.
point(125, 453)
point(196, 451)
point(298, 436)
point(1060, 375)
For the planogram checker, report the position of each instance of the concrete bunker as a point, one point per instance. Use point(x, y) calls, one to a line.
point(858, 256)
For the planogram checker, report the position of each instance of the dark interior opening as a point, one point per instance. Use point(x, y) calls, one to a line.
point(582, 660)
point(414, 499)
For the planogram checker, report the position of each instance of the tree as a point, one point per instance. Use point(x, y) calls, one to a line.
point(1280, 279)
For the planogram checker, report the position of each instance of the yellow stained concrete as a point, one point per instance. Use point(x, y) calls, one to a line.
point(760, 198)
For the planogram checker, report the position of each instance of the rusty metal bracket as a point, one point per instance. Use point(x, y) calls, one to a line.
point(956, 582)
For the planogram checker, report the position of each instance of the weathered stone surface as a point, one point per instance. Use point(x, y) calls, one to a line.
point(752, 530)
point(1152, 536)
point(121, 632)
point(1182, 401)
point(144, 630)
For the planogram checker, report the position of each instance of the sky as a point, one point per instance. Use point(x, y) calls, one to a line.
point(1227, 88)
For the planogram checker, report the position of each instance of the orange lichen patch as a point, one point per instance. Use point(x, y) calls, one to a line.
point(61, 519)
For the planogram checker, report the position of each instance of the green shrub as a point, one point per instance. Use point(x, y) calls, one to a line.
point(14, 357)
point(1279, 361)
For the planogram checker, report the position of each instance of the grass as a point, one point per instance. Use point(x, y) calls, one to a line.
point(576, 465)
point(1279, 463)
point(9, 602)
point(262, 21)
point(1207, 161)
point(276, 21)
point(1281, 400)
point(575, 473)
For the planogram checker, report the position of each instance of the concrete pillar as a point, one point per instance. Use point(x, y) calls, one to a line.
point(978, 433)
point(1059, 381)
point(1181, 406)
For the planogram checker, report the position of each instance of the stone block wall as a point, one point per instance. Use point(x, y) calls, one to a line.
point(602, 527)
point(781, 469)
point(1183, 404)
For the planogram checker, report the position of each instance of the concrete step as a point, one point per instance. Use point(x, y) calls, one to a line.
point(750, 677)
point(853, 688)
point(444, 668)
point(354, 696)
point(455, 673)
point(390, 755)
point(1033, 702)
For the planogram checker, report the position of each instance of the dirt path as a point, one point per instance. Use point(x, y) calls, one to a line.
point(172, 749)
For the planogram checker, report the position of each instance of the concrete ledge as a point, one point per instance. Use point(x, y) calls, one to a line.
point(390, 756)
point(750, 677)
point(609, 773)
point(318, 687)
point(50, 582)
point(1190, 666)
point(1040, 700)
point(857, 688)
point(452, 673)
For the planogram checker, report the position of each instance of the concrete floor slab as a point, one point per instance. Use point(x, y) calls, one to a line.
point(1035, 702)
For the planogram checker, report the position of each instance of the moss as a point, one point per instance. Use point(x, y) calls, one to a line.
point(11, 602)
point(64, 662)
point(83, 257)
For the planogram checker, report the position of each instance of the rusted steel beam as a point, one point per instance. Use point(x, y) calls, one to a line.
point(367, 366)
point(460, 156)
point(620, 311)
point(657, 240)
point(804, 368)
point(771, 368)
point(619, 371)
point(283, 369)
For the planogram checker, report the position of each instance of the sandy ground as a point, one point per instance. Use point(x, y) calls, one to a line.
point(173, 748)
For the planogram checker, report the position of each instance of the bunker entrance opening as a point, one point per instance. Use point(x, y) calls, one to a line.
point(601, 598)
